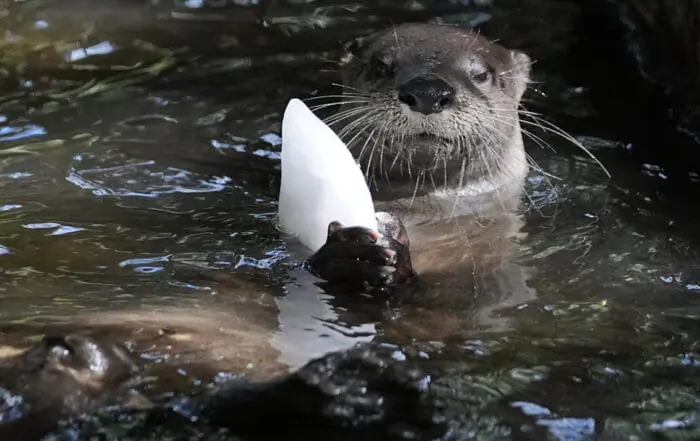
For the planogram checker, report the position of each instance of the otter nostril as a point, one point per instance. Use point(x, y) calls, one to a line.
point(408, 98)
point(427, 95)
point(445, 102)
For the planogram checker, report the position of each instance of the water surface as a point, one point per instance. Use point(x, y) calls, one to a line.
point(139, 162)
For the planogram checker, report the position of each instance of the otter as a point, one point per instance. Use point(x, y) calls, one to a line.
point(361, 391)
point(201, 341)
point(431, 114)
point(61, 377)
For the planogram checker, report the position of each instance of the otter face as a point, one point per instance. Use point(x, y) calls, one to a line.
point(428, 98)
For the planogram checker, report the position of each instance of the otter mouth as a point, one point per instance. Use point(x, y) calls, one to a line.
point(431, 137)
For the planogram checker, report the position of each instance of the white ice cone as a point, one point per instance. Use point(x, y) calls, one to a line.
point(321, 182)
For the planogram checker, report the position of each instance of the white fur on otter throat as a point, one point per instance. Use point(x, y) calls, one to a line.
point(321, 182)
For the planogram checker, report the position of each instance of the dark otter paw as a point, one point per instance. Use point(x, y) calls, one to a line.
point(360, 257)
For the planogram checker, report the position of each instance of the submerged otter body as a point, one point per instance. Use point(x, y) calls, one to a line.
point(431, 114)
point(70, 378)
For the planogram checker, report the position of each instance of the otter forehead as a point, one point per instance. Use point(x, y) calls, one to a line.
point(427, 48)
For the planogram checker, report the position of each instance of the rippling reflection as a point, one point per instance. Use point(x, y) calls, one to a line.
point(139, 162)
point(144, 180)
point(16, 133)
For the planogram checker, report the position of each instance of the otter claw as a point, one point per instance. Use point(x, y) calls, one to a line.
point(390, 254)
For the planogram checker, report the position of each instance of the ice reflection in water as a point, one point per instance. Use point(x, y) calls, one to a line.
point(309, 325)
point(146, 179)
point(20, 132)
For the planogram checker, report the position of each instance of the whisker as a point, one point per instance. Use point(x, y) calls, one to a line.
point(552, 128)
point(345, 86)
point(345, 114)
point(323, 106)
point(340, 95)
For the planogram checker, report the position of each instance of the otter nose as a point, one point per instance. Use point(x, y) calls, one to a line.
point(427, 95)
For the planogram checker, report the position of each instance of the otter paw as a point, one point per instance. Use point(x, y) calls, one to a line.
point(360, 257)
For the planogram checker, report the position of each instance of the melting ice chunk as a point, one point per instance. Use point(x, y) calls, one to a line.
point(321, 182)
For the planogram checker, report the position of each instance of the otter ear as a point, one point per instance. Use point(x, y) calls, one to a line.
point(522, 62)
point(521, 70)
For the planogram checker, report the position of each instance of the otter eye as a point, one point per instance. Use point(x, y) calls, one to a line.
point(478, 70)
point(382, 66)
point(481, 76)
point(61, 352)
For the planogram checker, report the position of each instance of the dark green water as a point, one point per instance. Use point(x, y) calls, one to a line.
point(139, 154)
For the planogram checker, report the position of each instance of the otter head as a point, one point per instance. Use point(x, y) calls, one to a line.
point(427, 99)
point(73, 373)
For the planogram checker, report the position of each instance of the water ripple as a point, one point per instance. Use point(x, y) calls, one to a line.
point(58, 228)
point(19, 130)
point(146, 265)
point(141, 179)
